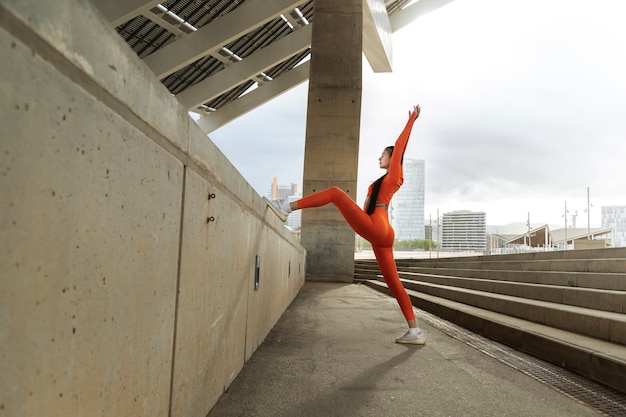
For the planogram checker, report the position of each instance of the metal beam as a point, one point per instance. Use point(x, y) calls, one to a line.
point(407, 15)
point(377, 35)
point(256, 63)
point(161, 18)
point(120, 11)
point(216, 34)
point(250, 101)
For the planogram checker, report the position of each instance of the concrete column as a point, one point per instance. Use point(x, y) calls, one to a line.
point(332, 135)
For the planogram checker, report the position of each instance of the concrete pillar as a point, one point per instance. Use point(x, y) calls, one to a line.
point(332, 135)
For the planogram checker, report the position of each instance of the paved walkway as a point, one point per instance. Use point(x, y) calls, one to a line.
point(333, 354)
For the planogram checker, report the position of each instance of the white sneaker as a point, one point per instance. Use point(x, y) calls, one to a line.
point(276, 208)
point(412, 339)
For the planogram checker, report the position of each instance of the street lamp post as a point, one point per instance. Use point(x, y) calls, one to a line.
point(565, 215)
point(528, 223)
point(430, 249)
point(588, 216)
point(438, 233)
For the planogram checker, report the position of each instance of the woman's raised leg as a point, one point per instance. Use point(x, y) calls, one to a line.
point(360, 221)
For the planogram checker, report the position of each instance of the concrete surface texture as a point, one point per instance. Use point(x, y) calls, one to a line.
point(333, 354)
point(332, 135)
point(120, 293)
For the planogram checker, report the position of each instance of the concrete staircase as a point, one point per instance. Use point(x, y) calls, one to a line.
point(565, 307)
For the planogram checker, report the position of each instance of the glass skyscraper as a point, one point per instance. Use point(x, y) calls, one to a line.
point(407, 205)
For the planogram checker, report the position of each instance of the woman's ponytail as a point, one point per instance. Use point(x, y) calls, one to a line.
point(371, 204)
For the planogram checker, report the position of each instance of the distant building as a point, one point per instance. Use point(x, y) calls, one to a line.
point(407, 205)
point(614, 217)
point(282, 192)
point(499, 237)
point(288, 193)
point(428, 232)
point(464, 231)
point(544, 238)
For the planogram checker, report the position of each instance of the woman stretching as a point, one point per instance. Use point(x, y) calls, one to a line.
point(372, 223)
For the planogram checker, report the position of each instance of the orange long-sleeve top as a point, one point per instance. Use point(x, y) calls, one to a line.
point(395, 175)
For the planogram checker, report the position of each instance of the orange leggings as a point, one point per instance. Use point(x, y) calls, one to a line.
point(376, 229)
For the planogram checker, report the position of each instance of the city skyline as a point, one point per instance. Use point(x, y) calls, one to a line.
point(613, 217)
point(573, 217)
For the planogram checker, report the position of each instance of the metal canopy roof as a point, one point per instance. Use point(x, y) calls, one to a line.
point(543, 236)
point(223, 58)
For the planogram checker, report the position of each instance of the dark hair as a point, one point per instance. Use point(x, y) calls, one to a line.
point(371, 204)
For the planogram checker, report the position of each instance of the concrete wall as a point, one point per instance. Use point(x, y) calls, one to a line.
point(124, 289)
point(590, 244)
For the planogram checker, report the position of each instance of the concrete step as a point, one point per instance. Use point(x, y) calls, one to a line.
point(362, 277)
point(607, 253)
point(605, 300)
point(603, 325)
point(361, 272)
point(605, 281)
point(609, 265)
point(599, 360)
point(366, 262)
point(601, 281)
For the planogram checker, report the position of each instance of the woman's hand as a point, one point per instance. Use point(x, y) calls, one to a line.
point(416, 111)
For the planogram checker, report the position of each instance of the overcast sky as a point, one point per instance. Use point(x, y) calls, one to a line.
point(523, 108)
